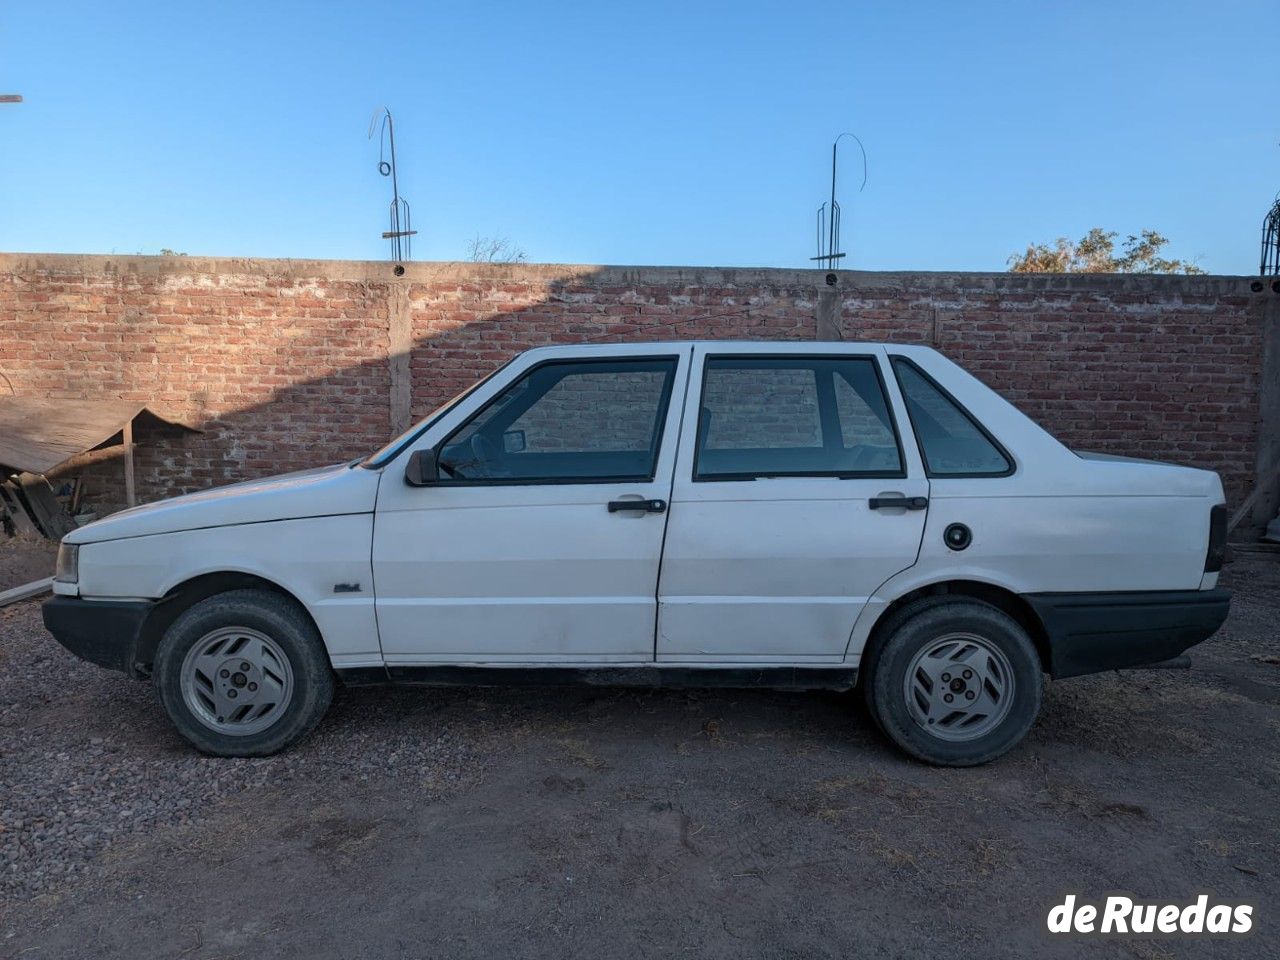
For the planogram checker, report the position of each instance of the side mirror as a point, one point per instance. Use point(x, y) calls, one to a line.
point(513, 441)
point(421, 470)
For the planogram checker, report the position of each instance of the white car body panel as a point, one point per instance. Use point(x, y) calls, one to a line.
point(749, 562)
point(788, 570)
point(746, 567)
point(323, 492)
point(307, 557)
point(1101, 543)
point(527, 573)
point(304, 532)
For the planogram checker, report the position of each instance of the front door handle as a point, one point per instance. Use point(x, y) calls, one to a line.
point(644, 506)
point(911, 503)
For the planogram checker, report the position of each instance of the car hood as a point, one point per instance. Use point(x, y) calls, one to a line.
point(326, 491)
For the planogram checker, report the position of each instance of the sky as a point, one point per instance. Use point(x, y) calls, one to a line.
point(693, 133)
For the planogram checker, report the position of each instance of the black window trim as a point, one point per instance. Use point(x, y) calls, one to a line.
point(899, 474)
point(664, 404)
point(897, 358)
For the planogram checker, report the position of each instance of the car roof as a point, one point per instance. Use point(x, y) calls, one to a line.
point(735, 346)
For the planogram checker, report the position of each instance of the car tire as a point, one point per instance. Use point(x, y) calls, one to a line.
point(993, 682)
point(281, 693)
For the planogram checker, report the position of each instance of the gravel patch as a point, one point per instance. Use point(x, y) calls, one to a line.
point(723, 823)
point(87, 757)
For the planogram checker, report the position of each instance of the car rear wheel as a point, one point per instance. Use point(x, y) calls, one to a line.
point(243, 674)
point(956, 682)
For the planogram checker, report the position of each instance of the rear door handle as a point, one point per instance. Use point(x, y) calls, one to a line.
point(911, 503)
point(644, 506)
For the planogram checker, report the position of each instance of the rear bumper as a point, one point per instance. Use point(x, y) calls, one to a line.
point(1091, 632)
point(104, 632)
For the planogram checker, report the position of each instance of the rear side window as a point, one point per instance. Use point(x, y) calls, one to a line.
point(794, 416)
point(952, 443)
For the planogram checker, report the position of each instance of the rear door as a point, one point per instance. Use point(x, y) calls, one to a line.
point(795, 497)
point(542, 539)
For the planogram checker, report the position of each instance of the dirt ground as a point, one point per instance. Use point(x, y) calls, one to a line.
point(23, 559)
point(569, 822)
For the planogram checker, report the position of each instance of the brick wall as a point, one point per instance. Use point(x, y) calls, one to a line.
point(284, 364)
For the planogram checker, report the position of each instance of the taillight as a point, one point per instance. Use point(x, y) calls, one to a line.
point(1217, 539)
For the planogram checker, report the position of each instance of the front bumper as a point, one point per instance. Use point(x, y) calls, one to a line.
point(1092, 632)
point(104, 632)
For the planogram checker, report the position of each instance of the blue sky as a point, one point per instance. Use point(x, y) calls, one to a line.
point(657, 133)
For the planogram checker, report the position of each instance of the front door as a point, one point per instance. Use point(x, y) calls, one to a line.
point(794, 499)
point(542, 539)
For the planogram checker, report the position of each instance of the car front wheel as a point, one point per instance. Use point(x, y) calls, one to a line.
point(956, 682)
point(243, 674)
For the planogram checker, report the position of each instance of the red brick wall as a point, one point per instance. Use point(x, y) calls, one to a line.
point(283, 364)
point(1159, 367)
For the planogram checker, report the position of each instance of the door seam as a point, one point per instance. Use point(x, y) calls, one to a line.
point(924, 526)
point(373, 574)
point(666, 524)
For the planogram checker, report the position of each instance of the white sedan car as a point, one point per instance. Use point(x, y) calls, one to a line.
point(787, 515)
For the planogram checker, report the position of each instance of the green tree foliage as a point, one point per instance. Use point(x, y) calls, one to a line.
point(1095, 252)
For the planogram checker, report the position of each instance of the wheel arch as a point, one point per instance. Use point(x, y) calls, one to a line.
point(185, 595)
point(1002, 598)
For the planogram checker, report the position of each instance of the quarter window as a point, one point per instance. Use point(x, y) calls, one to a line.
point(579, 420)
point(794, 416)
point(951, 441)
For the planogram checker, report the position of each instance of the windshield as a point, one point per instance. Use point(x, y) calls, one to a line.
point(386, 454)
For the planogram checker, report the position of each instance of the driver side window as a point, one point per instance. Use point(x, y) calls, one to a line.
point(585, 420)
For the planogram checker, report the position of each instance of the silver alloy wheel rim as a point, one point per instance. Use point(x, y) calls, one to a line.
point(236, 681)
point(959, 687)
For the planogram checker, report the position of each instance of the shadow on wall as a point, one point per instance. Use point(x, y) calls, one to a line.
point(453, 331)
point(287, 365)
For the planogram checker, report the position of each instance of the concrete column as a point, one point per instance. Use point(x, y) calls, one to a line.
point(399, 346)
point(828, 325)
point(1268, 502)
point(938, 323)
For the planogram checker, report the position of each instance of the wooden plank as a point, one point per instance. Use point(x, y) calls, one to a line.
point(51, 516)
point(130, 495)
point(1263, 548)
point(26, 591)
point(1265, 499)
point(1262, 487)
point(18, 513)
point(39, 435)
point(86, 459)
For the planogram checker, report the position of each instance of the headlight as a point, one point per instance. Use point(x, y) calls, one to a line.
point(68, 567)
